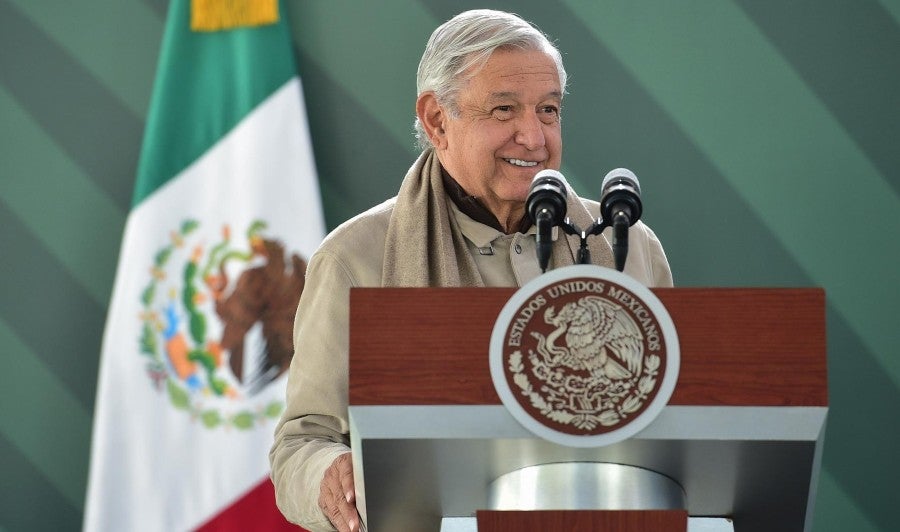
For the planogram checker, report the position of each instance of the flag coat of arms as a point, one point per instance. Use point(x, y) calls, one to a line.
point(198, 337)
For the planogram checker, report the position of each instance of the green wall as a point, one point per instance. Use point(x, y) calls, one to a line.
point(766, 135)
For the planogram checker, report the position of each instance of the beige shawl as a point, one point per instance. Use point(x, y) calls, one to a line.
point(425, 247)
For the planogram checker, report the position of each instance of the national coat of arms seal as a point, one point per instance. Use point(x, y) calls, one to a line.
point(584, 356)
point(217, 321)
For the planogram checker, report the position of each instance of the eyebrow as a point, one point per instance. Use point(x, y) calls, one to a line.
point(504, 95)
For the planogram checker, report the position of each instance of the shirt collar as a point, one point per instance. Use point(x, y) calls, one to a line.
point(481, 235)
point(473, 209)
point(477, 233)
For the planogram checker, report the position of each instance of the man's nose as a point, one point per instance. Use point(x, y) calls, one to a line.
point(530, 132)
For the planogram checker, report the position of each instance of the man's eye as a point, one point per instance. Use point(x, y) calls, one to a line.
point(503, 111)
point(550, 113)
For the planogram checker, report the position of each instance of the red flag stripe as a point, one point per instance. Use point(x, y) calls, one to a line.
point(256, 510)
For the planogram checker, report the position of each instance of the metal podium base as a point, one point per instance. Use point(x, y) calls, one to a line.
point(695, 524)
point(585, 486)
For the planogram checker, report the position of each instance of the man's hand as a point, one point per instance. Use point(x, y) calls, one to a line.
point(337, 496)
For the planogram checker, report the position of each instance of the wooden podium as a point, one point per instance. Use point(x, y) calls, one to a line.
point(741, 435)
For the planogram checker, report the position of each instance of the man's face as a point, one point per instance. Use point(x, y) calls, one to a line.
point(507, 130)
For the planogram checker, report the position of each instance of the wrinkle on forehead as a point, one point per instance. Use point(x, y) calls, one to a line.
point(541, 72)
point(543, 67)
point(515, 95)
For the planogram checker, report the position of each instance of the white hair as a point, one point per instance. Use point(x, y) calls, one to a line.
point(463, 44)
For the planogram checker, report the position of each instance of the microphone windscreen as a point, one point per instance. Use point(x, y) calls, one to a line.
point(548, 191)
point(618, 175)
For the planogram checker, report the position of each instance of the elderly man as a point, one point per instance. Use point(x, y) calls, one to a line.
point(490, 89)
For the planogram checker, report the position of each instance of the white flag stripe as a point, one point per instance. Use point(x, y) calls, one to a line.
point(153, 467)
point(265, 161)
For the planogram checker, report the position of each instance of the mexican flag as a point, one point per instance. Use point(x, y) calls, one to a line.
point(225, 214)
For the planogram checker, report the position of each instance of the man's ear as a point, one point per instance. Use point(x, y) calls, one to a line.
point(432, 117)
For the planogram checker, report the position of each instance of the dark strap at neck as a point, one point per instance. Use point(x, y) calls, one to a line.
point(471, 207)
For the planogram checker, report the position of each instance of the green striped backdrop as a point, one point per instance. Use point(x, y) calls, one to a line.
point(766, 135)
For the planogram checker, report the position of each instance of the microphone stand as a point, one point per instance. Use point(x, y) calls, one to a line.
point(620, 246)
point(544, 241)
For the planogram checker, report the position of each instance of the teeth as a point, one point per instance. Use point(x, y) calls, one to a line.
point(520, 162)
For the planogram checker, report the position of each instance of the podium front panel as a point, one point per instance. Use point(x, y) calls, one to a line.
point(742, 433)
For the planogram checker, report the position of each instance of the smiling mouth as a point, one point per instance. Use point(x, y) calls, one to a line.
point(520, 162)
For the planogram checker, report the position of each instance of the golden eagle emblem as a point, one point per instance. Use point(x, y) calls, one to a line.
point(217, 326)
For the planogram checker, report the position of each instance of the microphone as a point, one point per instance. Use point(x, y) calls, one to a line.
point(620, 206)
point(546, 207)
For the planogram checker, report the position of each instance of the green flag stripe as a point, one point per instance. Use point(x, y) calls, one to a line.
point(200, 94)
